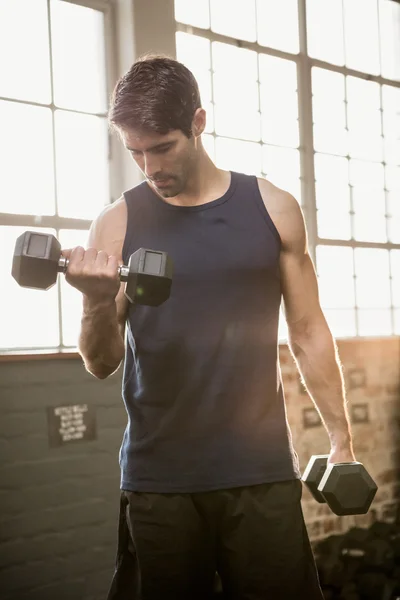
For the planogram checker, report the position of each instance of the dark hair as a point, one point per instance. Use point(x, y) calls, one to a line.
point(157, 94)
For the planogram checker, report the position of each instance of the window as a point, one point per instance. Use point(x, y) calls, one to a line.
point(346, 132)
point(54, 152)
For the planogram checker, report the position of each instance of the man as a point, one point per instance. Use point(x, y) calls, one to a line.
point(209, 477)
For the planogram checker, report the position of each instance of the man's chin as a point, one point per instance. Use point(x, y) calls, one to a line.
point(169, 191)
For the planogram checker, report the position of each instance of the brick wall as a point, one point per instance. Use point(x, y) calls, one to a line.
point(59, 505)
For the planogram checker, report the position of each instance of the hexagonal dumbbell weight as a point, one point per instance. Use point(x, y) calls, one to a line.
point(347, 488)
point(37, 261)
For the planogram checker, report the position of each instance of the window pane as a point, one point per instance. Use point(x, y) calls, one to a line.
point(333, 198)
point(364, 119)
point(78, 57)
point(395, 267)
point(374, 322)
point(391, 124)
point(209, 145)
point(342, 322)
point(236, 92)
point(234, 155)
point(372, 278)
point(204, 82)
point(334, 224)
point(82, 164)
point(335, 276)
point(229, 92)
point(278, 71)
point(396, 290)
point(331, 140)
point(397, 322)
point(328, 96)
point(336, 292)
point(234, 18)
point(229, 60)
point(26, 153)
point(194, 51)
point(389, 21)
point(391, 114)
point(366, 174)
point(193, 12)
point(373, 294)
point(329, 111)
point(277, 24)
point(24, 50)
point(227, 123)
point(394, 230)
point(325, 30)
point(71, 298)
point(365, 94)
point(276, 129)
point(393, 203)
point(332, 182)
point(279, 102)
point(282, 167)
point(361, 35)
point(369, 220)
point(28, 318)
point(392, 175)
point(363, 144)
point(335, 259)
point(391, 149)
point(371, 259)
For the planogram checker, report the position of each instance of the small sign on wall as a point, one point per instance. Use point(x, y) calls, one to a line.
point(311, 418)
point(356, 378)
point(68, 424)
point(359, 413)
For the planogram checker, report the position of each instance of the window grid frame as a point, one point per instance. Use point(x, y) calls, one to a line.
point(55, 221)
point(305, 64)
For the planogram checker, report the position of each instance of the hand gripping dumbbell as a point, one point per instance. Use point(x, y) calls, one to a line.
point(37, 261)
point(347, 488)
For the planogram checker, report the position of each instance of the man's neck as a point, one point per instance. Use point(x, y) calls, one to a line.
point(207, 183)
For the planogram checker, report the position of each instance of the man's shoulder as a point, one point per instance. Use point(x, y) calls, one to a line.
point(284, 210)
point(113, 213)
point(108, 229)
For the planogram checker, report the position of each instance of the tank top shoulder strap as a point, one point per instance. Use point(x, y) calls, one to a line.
point(248, 185)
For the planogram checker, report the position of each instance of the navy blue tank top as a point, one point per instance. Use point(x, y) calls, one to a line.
point(202, 383)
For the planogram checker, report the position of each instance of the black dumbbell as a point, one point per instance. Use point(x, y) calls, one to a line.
point(37, 261)
point(347, 488)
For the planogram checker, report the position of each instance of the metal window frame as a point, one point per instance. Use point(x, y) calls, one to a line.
point(305, 64)
point(56, 221)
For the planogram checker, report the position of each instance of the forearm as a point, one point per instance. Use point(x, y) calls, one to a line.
point(319, 364)
point(101, 344)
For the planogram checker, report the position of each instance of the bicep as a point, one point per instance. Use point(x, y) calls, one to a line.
point(100, 240)
point(300, 292)
point(299, 282)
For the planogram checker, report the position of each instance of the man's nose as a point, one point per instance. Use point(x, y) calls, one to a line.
point(151, 166)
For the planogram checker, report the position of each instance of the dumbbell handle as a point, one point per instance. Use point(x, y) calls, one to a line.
point(63, 262)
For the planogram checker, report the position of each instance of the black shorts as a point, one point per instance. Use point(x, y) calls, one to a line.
point(170, 546)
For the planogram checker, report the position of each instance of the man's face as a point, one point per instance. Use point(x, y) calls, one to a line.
point(165, 160)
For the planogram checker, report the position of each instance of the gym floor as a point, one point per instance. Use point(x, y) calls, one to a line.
point(59, 495)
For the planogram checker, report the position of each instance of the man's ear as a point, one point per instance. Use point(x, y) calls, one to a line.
point(199, 122)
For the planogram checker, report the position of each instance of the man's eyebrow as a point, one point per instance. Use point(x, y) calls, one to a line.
point(156, 147)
